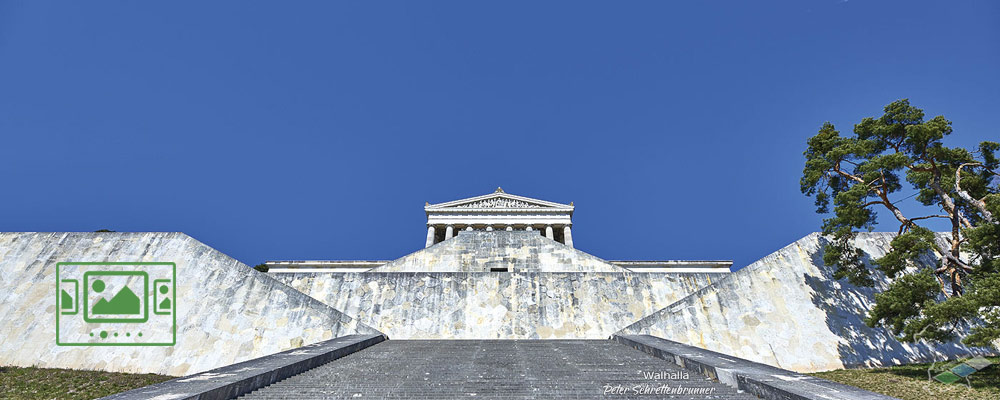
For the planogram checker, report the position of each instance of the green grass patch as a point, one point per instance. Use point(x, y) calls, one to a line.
point(909, 382)
point(52, 383)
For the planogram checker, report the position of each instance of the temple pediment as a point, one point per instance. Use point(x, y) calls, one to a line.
point(499, 200)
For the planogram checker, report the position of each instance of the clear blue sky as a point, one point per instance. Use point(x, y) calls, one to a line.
point(317, 130)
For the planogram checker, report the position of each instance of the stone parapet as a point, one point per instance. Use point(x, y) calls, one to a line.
point(234, 380)
point(764, 381)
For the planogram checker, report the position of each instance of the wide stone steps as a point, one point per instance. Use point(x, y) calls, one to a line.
point(497, 369)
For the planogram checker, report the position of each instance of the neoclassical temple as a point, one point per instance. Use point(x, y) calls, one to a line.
point(499, 211)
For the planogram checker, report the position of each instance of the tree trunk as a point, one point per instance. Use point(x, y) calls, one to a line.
point(956, 242)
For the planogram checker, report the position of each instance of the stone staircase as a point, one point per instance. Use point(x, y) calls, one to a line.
point(493, 369)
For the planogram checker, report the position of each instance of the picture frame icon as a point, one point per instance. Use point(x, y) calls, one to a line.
point(124, 303)
point(94, 281)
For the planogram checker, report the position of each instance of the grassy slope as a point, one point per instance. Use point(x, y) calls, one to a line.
point(909, 382)
point(51, 383)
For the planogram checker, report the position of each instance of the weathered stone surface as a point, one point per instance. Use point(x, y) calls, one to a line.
point(226, 311)
point(527, 305)
point(786, 310)
point(475, 251)
point(558, 291)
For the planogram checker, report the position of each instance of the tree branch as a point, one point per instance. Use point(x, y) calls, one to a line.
point(946, 203)
point(959, 262)
point(836, 168)
point(981, 205)
point(942, 286)
point(930, 216)
point(895, 210)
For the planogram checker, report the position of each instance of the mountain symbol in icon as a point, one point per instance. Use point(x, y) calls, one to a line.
point(124, 302)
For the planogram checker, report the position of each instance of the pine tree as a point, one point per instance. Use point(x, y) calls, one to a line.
point(860, 172)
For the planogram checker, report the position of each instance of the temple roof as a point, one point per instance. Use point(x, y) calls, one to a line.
point(499, 200)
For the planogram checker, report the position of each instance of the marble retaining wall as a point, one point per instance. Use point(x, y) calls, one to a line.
point(547, 290)
point(225, 311)
point(499, 305)
point(786, 310)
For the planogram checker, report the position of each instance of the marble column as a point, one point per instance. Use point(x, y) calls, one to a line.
point(489, 228)
point(548, 232)
point(567, 236)
point(469, 228)
point(449, 232)
point(509, 228)
point(528, 228)
point(430, 236)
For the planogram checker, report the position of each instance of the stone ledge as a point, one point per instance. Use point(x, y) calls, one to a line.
point(234, 380)
point(762, 380)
